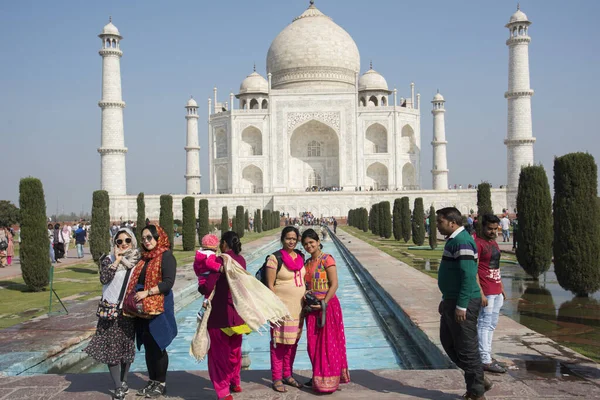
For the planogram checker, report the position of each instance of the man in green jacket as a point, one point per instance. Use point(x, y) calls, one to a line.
point(461, 301)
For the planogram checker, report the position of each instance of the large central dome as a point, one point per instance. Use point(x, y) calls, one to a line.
point(313, 52)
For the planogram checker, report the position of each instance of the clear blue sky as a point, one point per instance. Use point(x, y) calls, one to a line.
point(50, 78)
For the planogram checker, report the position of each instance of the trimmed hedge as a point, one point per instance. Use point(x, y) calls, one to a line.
point(534, 202)
point(397, 225)
point(418, 223)
point(100, 234)
point(432, 228)
point(34, 253)
point(576, 223)
point(484, 204)
point(141, 217)
point(188, 206)
point(239, 221)
point(203, 225)
point(224, 220)
point(258, 221)
point(386, 220)
point(166, 216)
point(375, 222)
point(405, 224)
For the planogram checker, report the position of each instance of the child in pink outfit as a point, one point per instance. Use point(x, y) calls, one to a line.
point(206, 263)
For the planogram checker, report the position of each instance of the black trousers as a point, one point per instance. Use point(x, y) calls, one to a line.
point(157, 360)
point(461, 343)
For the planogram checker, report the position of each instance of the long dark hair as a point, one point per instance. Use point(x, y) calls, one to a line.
point(233, 241)
point(311, 234)
point(287, 230)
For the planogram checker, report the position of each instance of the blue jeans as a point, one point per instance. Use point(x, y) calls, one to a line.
point(79, 250)
point(52, 258)
point(505, 235)
point(486, 324)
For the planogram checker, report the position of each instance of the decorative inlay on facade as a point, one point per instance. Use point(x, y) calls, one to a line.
point(530, 140)
point(110, 52)
point(258, 164)
point(383, 122)
point(105, 150)
point(244, 125)
point(517, 40)
point(111, 104)
point(296, 118)
point(314, 74)
point(520, 93)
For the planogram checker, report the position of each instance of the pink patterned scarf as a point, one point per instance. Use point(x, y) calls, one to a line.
point(294, 265)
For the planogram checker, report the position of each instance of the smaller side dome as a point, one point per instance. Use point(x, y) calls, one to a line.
point(438, 97)
point(518, 16)
point(254, 83)
point(192, 103)
point(372, 80)
point(110, 29)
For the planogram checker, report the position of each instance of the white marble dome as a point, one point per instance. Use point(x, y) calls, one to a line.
point(254, 83)
point(192, 103)
point(313, 51)
point(372, 80)
point(518, 16)
point(110, 29)
point(438, 97)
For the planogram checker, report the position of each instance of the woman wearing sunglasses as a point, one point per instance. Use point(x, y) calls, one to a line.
point(113, 344)
point(151, 281)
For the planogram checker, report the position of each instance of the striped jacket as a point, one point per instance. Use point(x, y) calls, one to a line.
point(458, 270)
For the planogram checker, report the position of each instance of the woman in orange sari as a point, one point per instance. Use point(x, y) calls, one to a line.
point(326, 343)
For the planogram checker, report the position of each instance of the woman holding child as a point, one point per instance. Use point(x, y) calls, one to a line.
point(225, 326)
point(326, 344)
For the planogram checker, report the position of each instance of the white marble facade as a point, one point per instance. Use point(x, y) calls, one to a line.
point(314, 121)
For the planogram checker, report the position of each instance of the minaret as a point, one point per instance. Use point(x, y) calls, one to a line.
point(519, 137)
point(192, 150)
point(439, 172)
point(112, 150)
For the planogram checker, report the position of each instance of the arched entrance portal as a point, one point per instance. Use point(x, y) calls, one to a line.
point(314, 151)
point(222, 180)
point(252, 180)
point(377, 176)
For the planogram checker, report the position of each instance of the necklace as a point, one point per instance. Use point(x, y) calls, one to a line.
point(314, 258)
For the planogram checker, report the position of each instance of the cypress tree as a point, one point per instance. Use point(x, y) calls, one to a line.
point(365, 220)
point(418, 224)
point(224, 221)
point(432, 228)
point(34, 254)
point(534, 203)
point(203, 224)
point(189, 223)
point(405, 224)
point(246, 220)
point(239, 221)
point(350, 218)
point(258, 221)
point(265, 220)
point(165, 219)
point(386, 219)
point(576, 223)
point(376, 218)
point(484, 203)
point(397, 220)
point(234, 224)
point(141, 217)
point(100, 234)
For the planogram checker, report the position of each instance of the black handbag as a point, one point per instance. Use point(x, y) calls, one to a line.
point(108, 310)
point(3, 245)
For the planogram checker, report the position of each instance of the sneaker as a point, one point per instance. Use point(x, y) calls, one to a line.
point(235, 388)
point(228, 397)
point(500, 363)
point(159, 389)
point(119, 393)
point(494, 367)
point(125, 387)
point(149, 386)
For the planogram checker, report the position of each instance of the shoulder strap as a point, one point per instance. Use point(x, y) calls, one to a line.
point(277, 255)
point(124, 286)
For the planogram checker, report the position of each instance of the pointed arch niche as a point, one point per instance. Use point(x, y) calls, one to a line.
point(409, 141)
point(409, 179)
point(222, 180)
point(252, 179)
point(377, 176)
point(314, 156)
point(251, 142)
point(376, 139)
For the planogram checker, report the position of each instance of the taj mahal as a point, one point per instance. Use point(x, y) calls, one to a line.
point(315, 134)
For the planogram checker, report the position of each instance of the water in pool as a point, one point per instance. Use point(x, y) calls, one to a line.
point(366, 343)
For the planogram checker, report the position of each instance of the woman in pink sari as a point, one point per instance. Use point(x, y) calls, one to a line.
point(327, 343)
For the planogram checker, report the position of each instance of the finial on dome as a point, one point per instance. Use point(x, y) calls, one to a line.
point(312, 2)
point(254, 67)
point(438, 90)
point(110, 18)
point(371, 64)
point(518, 6)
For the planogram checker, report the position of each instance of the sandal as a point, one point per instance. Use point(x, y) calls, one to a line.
point(278, 387)
point(292, 382)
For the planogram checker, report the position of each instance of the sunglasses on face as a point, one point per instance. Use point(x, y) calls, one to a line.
point(120, 241)
point(147, 238)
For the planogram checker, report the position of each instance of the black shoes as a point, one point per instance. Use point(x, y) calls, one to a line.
point(159, 389)
point(494, 367)
point(149, 386)
point(119, 393)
